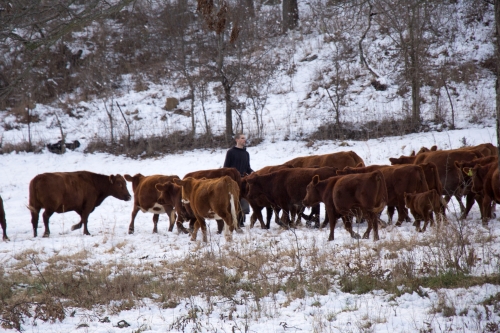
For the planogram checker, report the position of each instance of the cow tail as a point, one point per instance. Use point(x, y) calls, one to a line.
point(234, 202)
point(382, 188)
point(422, 186)
point(32, 198)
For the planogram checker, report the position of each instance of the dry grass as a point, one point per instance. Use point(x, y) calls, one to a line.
point(242, 276)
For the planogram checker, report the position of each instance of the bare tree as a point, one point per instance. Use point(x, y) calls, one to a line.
point(290, 18)
point(30, 28)
point(497, 84)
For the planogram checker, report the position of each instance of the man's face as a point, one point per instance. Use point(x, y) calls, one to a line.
point(241, 141)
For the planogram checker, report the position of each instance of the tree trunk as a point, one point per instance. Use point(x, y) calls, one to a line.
point(290, 15)
point(497, 86)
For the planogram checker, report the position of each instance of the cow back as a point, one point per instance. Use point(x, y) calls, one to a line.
point(338, 160)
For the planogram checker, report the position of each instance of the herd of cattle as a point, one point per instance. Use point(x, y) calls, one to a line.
point(423, 183)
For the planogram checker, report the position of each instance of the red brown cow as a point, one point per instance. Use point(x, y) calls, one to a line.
point(337, 160)
point(211, 198)
point(486, 181)
point(422, 205)
point(146, 200)
point(398, 180)
point(286, 188)
point(322, 191)
point(362, 194)
point(79, 191)
point(3, 221)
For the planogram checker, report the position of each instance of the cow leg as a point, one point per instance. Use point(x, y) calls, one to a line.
point(390, 214)
point(325, 222)
point(416, 224)
point(370, 226)
point(486, 208)
point(330, 212)
point(35, 213)
point(269, 213)
point(180, 227)
point(132, 220)
point(220, 226)
point(155, 223)
point(171, 217)
point(4, 230)
point(315, 212)
point(46, 216)
point(256, 215)
point(469, 202)
point(196, 227)
point(348, 226)
point(372, 219)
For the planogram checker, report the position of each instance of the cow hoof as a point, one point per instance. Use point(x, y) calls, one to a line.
point(45, 235)
point(6, 239)
point(355, 235)
point(239, 231)
point(383, 225)
point(398, 224)
point(76, 226)
point(130, 232)
point(365, 236)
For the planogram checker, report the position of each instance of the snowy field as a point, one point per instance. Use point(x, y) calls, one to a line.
point(339, 312)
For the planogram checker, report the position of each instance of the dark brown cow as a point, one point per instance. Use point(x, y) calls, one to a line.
point(79, 191)
point(422, 205)
point(3, 221)
point(486, 181)
point(398, 180)
point(286, 188)
point(322, 191)
point(146, 200)
point(261, 202)
point(364, 194)
point(211, 198)
point(337, 160)
point(447, 170)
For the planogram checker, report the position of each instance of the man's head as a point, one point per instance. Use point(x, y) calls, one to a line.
point(241, 140)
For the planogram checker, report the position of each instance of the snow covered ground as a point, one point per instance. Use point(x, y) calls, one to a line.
point(338, 311)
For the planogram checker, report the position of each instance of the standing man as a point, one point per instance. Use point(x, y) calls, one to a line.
point(238, 157)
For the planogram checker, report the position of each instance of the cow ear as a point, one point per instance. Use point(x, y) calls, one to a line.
point(111, 179)
point(160, 187)
point(127, 177)
point(434, 148)
point(178, 181)
point(393, 160)
point(315, 180)
point(359, 165)
point(412, 153)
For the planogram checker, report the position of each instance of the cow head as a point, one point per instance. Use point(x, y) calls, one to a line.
point(409, 197)
point(187, 186)
point(478, 175)
point(402, 160)
point(118, 187)
point(313, 196)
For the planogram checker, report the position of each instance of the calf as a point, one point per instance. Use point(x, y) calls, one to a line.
point(211, 198)
point(364, 193)
point(322, 191)
point(3, 221)
point(79, 191)
point(422, 205)
point(214, 174)
point(146, 200)
point(170, 195)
